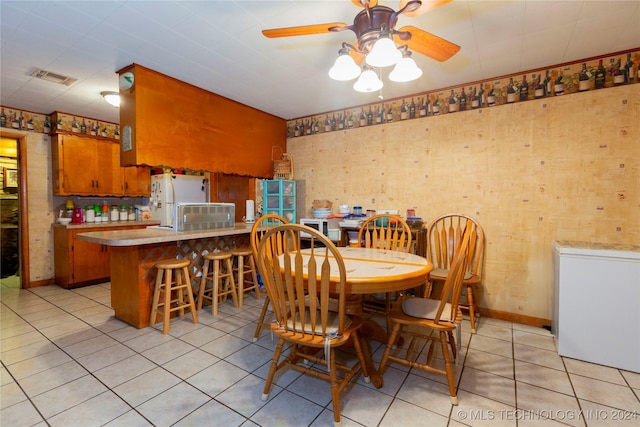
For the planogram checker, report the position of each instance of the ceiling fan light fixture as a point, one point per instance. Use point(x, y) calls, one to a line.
point(368, 82)
point(384, 52)
point(344, 68)
point(406, 70)
point(112, 98)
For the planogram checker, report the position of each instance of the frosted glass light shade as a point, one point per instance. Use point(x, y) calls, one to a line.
point(112, 98)
point(405, 71)
point(344, 68)
point(384, 53)
point(368, 82)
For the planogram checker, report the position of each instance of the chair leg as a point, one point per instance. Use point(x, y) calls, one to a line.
point(472, 311)
point(272, 369)
point(449, 367)
point(167, 302)
point(203, 283)
point(230, 283)
point(192, 302)
point(254, 277)
point(335, 388)
point(395, 332)
point(180, 281)
point(240, 280)
point(216, 287)
point(387, 310)
point(359, 347)
point(263, 314)
point(156, 298)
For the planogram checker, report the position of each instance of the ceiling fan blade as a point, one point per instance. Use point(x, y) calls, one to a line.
point(361, 3)
point(305, 30)
point(426, 6)
point(426, 43)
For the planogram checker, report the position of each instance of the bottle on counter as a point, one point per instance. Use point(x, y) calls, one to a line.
point(124, 213)
point(104, 212)
point(115, 213)
point(90, 214)
point(131, 213)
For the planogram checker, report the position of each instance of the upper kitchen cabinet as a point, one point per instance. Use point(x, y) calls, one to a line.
point(137, 180)
point(89, 166)
point(85, 166)
point(166, 122)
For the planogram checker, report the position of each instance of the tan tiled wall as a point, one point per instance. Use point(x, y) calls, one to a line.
point(561, 168)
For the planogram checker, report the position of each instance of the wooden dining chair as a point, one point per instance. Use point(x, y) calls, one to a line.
point(259, 229)
point(424, 316)
point(300, 287)
point(443, 237)
point(390, 232)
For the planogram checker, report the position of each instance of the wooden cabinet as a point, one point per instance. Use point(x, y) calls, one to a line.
point(78, 262)
point(89, 166)
point(166, 122)
point(137, 181)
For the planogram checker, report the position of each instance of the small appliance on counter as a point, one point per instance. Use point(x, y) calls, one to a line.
point(204, 216)
point(200, 216)
point(168, 189)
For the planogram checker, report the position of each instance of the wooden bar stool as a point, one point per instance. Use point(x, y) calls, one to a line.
point(221, 279)
point(243, 269)
point(181, 284)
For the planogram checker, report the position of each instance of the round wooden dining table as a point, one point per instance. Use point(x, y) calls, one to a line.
point(371, 271)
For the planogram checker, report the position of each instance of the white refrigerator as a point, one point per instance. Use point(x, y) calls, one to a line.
point(169, 189)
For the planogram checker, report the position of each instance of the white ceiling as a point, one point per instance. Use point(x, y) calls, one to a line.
point(218, 46)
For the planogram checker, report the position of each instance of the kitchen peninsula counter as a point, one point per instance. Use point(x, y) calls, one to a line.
point(158, 235)
point(134, 252)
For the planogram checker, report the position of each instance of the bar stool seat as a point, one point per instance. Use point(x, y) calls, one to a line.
point(220, 277)
point(166, 285)
point(245, 273)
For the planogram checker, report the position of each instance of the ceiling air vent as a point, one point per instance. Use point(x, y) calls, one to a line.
point(53, 77)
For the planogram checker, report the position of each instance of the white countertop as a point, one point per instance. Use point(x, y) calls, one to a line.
point(145, 236)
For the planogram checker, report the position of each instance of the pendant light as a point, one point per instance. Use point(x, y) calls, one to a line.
point(384, 52)
point(405, 70)
point(368, 81)
point(345, 67)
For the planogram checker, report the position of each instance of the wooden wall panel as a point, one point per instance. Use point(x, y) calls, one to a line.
point(561, 168)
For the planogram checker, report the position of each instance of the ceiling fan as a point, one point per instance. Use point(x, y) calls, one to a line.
point(376, 22)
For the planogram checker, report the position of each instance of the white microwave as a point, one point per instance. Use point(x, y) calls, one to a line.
point(322, 225)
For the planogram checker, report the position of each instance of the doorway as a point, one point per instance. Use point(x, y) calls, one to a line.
point(10, 213)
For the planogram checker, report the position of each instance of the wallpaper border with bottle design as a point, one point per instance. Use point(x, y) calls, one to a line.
point(596, 73)
point(57, 122)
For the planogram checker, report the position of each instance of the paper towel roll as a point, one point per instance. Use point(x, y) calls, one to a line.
point(250, 214)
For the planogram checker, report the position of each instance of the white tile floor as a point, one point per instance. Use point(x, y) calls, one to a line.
point(67, 361)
